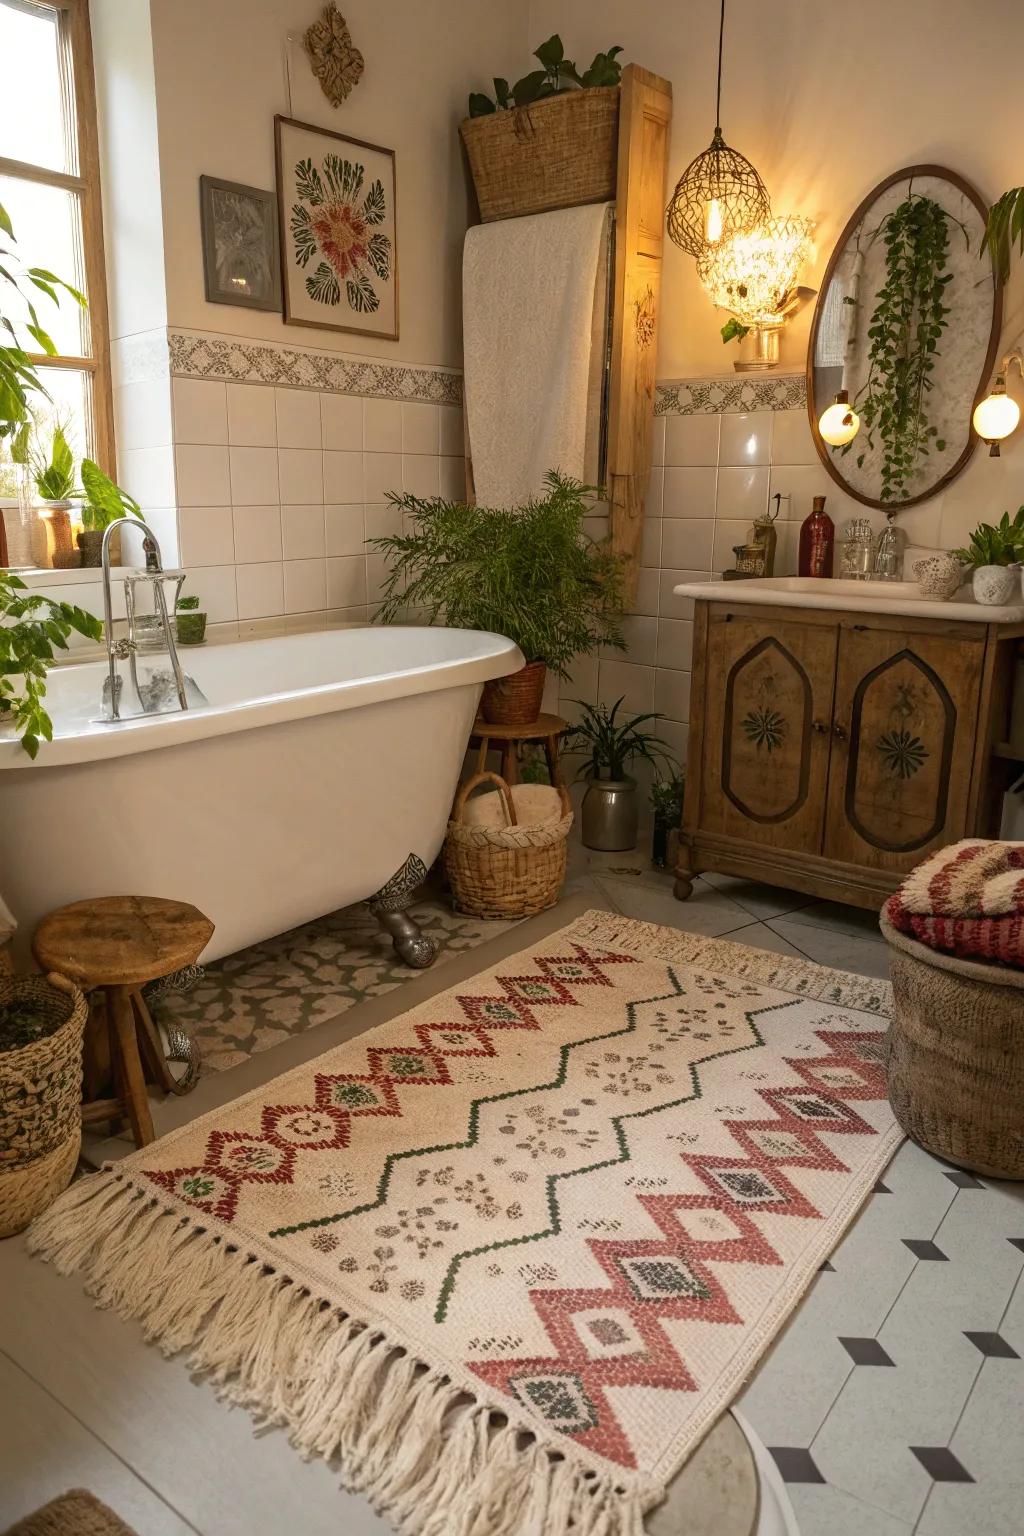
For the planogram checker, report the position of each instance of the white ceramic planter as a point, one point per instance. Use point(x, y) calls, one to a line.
point(994, 585)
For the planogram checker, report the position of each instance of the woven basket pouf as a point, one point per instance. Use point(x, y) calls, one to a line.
point(40, 1098)
point(505, 872)
point(955, 1056)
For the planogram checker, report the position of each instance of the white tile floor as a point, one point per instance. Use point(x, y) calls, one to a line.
point(84, 1400)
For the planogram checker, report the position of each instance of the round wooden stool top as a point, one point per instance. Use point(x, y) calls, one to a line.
point(122, 941)
point(537, 730)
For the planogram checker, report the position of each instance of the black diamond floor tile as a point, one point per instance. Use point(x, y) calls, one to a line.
point(940, 1464)
point(827, 1267)
point(866, 1352)
point(924, 1248)
point(795, 1464)
point(881, 1189)
point(1018, 1242)
point(992, 1344)
point(963, 1180)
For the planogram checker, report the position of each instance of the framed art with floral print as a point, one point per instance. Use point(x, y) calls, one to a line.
point(339, 255)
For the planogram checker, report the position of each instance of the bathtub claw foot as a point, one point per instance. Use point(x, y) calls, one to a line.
point(389, 908)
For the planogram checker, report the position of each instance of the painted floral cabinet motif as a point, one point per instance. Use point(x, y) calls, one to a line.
point(832, 751)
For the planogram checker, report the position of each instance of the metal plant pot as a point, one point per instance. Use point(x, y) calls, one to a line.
point(610, 816)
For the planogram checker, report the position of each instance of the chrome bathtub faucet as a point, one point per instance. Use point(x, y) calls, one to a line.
point(150, 700)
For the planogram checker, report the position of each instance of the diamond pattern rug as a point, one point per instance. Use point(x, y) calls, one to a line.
point(509, 1255)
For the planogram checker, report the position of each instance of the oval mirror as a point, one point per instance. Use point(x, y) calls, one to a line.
point(907, 322)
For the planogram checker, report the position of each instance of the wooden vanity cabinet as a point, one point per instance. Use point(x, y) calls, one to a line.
point(831, 751)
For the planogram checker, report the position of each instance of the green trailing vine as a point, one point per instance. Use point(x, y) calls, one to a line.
point(903, 340)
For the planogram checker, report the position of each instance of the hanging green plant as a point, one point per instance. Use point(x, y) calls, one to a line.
point(903, 340)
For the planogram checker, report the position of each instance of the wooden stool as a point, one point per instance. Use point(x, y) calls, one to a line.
point(119, 943)
point(508, 738)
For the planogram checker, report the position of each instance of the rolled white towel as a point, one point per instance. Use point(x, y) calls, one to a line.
point(535, 804)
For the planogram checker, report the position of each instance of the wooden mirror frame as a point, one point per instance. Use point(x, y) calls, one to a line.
point(907, 173)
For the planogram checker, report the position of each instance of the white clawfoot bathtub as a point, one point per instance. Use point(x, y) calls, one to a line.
point(321, 763)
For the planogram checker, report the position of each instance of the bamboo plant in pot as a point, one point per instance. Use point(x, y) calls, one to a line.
point(52, 469)
point(532, 573)
point(610, 817)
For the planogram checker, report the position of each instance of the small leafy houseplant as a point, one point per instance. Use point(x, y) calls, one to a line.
point(993, 555)
point(54, 473)
point(52, 469)
point(556, 75)
point(32, 629)
point(667, 805)
point(190, 623)
point(105, 502)
point(532, 573)
point(610, 814)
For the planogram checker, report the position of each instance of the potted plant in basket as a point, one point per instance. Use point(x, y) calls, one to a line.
point(610, 814)
point(32, 628)
point(532, 573)
point(667, 805)
point(53, 473)
point(994, 555)
point(189, 622)
point(105, 502)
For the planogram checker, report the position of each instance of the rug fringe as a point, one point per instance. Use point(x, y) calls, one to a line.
point(430, 1458)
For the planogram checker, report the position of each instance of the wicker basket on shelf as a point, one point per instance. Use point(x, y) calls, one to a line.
point(40, 1095)
point(555, 153)
point(507, 871)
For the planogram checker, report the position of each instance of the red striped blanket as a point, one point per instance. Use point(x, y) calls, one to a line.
point(967, 899)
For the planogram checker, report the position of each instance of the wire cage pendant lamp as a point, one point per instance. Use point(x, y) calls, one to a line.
point(720, 194)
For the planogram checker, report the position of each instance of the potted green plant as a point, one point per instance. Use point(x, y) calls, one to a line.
point(190, 623)
point(105, 502)
point(610, 815)
point(993, 556)
point(667, 805)
point(52, 469)
point(532, 573)
point(32, 628)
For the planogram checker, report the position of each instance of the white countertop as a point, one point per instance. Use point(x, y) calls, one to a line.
point(900, 597)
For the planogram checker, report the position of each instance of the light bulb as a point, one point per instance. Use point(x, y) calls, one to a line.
point(838, 422)
point(996, 416)
point(713, 222)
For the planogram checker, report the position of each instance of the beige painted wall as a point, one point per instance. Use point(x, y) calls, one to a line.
point(221, 75)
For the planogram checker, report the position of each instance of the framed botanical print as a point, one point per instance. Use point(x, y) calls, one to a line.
point(338, 230)
point(241, 252)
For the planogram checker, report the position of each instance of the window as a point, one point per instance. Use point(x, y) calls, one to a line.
point(49, 185)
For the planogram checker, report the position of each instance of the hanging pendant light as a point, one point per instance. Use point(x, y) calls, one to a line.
point(720, 194)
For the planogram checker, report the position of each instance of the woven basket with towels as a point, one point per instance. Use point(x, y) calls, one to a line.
point(505, 852)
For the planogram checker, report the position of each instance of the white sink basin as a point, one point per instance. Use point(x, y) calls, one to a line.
point(902, 597)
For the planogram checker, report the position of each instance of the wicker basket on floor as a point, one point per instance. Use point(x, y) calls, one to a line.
point(40, 1099)
point(505, 872)
point(955, 1056)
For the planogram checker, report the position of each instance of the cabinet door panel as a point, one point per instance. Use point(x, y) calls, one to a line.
point(906, 709)
point(766, 741)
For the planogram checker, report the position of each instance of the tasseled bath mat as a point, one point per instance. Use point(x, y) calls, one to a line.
point(508, 1256)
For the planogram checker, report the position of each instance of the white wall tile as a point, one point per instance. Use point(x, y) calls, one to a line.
point(746, 438)
point(343, 477)
point(254, 476)
point(453, 439)
point(672, 694)
point(148, 474)
point(728, 533)
point(650, 547)
point(257, 535)
point(621, 679)
point(214, 585)
point(301, 473)
point(742, 492)
point(690, 492)
point(692, 440)
point(381, 522)
point(346, 581)
point(142, 414)
point(305, 586)
point(302, 533)
point(421, 428)
point(675, 643)
point(260, 590)
point(640, 632)
point(382, 472)
point(252, 415)
point(344, 528)
point(792, 442)
point(686, 543)
point(298, 418)
point(646, 599)
point(376, 574)
point(382, 426)
point(341, 422)
point(202, 476)
point(452, 482)
point(658, 440)
point(420, 474)
point(200, 411)
point(654, 501)
point(673, 607)
point(206, 536)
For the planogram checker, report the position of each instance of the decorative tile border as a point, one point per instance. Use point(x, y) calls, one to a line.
point(199, 356)
point(693, 397)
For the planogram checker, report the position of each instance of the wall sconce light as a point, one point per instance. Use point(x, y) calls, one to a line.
point(839, 422)
point(997, 415)
point(754, 276)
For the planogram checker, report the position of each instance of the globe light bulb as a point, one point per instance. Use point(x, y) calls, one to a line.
point(838, 422)
point(996, 416)
point(713, 222)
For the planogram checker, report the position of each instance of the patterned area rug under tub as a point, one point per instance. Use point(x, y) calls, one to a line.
point(508, 1256)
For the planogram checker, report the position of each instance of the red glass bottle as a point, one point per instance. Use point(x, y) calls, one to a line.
point(817, 541)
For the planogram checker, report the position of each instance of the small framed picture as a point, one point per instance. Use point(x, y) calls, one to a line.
point(339, 254)
point(241, 252)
